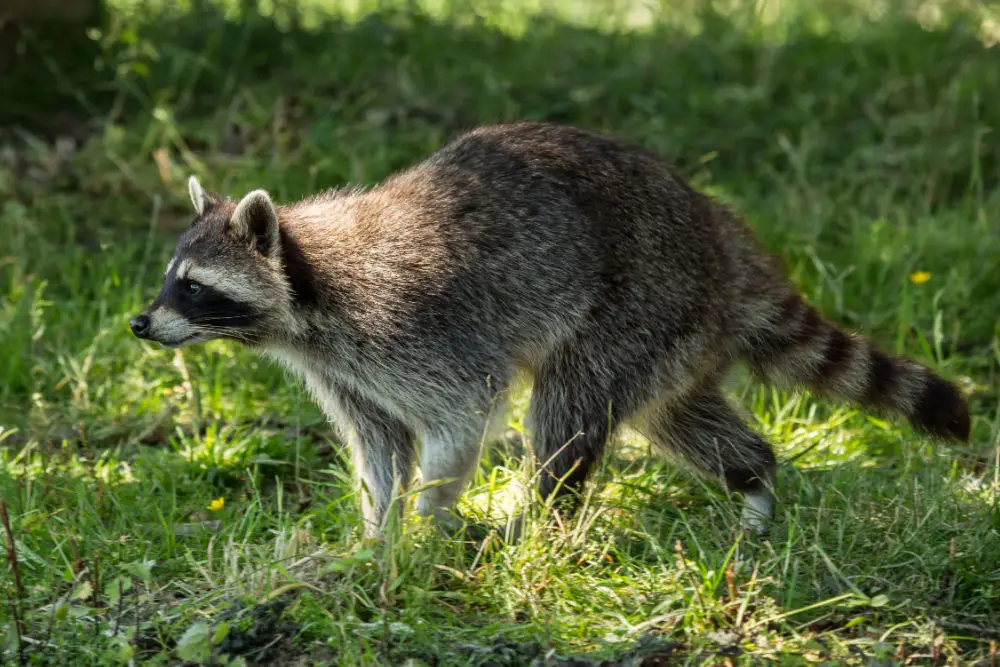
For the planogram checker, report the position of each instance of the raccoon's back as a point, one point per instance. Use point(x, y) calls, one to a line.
point(518, 236)
point(562, 212)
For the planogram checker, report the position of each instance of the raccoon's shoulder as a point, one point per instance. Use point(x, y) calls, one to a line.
point(368, 234)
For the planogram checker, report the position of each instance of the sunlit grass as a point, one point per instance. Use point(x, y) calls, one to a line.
point(169, 505)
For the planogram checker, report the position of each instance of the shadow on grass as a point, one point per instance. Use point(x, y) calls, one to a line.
point(888, 99)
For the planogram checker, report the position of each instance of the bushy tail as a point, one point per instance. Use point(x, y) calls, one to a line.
point(791, 342)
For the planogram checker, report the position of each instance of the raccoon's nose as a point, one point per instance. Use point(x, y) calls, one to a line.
point(140, 326)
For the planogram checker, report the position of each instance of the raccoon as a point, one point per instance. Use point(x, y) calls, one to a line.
point(584, 260)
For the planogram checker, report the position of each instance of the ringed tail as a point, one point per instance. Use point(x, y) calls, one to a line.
point(791, 342)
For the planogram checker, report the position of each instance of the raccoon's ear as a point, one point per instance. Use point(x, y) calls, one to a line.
point(255, 221)
point(202, 200)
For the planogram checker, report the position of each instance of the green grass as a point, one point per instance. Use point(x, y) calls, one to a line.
point(859, 139)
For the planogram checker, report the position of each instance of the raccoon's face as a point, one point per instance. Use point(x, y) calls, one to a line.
point(225, 279)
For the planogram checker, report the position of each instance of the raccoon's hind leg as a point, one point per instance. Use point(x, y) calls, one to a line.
point(576, 403)
point(705, 429)
point(382, 448)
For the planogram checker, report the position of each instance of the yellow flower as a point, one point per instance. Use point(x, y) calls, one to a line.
point(919, 277)
point(217, 504)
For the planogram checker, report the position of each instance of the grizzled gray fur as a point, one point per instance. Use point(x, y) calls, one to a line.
point(586, 262)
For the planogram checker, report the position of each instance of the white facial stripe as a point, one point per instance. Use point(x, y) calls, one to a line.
point(235, 288)
point(170, 265)
point(182, 270)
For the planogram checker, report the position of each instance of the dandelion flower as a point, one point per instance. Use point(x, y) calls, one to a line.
point(217, 504)
point(919, 277)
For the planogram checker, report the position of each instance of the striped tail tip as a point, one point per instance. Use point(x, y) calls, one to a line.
point(942, 410)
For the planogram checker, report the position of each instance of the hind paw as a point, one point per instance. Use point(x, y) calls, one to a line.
point(758, 508)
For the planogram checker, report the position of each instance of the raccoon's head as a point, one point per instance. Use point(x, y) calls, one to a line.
point(225, 279)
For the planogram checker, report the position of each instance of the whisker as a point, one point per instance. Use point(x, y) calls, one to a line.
point(221, 318)
point(232, 333)
point(211, 327)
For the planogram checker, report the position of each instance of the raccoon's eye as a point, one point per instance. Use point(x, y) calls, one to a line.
point(192, 287)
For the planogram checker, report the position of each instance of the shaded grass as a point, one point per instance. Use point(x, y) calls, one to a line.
point(858, 146)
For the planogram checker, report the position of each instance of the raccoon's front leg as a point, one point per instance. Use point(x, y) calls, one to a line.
point(447, 454)
point(382, 448)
